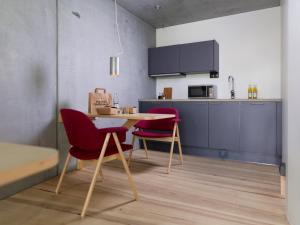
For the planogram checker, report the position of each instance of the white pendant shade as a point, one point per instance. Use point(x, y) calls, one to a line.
point(114, 66)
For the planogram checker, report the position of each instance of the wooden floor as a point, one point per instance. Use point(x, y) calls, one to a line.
point(203, 192)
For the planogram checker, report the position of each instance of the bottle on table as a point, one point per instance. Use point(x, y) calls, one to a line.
point(116, 100)
point(250, 92)
point(254, 92)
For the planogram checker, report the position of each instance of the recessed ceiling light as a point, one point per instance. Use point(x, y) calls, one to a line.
point(157, 7)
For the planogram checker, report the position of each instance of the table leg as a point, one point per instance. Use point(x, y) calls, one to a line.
point(79, 164)
point(129, 123)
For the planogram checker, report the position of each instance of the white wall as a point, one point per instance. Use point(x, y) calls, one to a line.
point(291, 105)
point(250, 50)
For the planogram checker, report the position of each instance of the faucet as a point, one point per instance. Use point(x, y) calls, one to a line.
point(231, 84)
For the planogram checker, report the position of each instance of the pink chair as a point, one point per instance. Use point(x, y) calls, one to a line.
point(165, 130)
point(89, 143)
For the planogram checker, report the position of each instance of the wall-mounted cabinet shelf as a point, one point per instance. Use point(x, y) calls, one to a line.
point(200, 57)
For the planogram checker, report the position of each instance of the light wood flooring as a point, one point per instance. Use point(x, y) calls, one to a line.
point(203, 191)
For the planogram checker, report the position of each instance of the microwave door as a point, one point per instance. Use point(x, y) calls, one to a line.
point(198, 92)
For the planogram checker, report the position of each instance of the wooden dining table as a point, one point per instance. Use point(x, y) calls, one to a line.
point(20, 161)
point(132, 119)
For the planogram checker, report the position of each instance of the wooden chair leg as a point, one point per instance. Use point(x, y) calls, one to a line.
point(179, 144)
point(130, 178)
point(172, 148)
point(101, 174)
point(67, 162)
point(98, 166)
point(79, 164)
point(131, 151)
point(145, 147)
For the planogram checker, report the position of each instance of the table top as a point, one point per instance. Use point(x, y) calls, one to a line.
point(20, 161)
point(136, 116)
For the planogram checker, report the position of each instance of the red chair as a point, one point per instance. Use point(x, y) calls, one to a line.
point(165, 130)
point(89, 143)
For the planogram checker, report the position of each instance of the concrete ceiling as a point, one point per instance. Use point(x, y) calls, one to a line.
point(174, 12)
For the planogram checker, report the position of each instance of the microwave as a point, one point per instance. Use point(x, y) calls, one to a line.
point(202, 91)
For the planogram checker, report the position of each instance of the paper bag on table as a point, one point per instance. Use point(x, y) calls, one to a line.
point(97, 99)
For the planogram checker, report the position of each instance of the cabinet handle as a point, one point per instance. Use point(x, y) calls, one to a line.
point(257, 103)
point(216, 103)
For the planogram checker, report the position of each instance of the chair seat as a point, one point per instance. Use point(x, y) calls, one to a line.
point(148, 134)
point(91, 154)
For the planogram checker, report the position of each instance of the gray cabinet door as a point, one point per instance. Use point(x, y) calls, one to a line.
point(144, 106)
point(164, 60)
point(194, 123)
point(224, 125)
point(258, 128)
point(198, 57)
point(279, 130)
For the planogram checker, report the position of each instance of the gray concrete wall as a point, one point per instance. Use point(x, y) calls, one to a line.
point(85, 45)
point(28, 72)
point(28, 77)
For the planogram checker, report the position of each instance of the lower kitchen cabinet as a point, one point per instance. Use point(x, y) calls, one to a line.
point(238, 130)
point(144, 106)
point(258, 128)
point(224, 125)
point(279, 130)
point(193, 126)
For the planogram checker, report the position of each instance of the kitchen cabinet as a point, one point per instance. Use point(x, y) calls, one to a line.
point(258, 128)
point(194, 123)
point(200, 57)
point(279, 129)
point(145, 106)
point(237, 130)
point(224, 125)
point(164, 60)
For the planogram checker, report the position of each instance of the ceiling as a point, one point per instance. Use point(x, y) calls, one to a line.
point(174, 12)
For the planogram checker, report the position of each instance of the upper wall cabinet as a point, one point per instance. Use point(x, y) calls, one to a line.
point(200, 57)
point(164, 61)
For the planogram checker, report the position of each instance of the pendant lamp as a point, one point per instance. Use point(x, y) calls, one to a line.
point(115, 60)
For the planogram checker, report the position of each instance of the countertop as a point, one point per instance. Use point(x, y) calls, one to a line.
point(212, 100)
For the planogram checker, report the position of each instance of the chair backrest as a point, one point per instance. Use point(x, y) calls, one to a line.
point(159, 125)
point(80, 130)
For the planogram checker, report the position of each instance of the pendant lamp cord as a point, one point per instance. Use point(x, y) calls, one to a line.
point(117, 29)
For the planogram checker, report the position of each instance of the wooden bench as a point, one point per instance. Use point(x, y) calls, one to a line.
point(20, 161)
